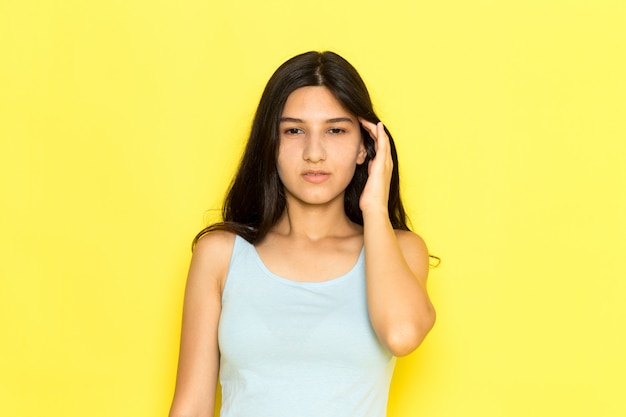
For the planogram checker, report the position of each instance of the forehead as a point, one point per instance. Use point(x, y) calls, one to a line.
point(314, 102)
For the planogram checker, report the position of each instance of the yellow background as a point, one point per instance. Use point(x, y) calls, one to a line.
point(121, 123)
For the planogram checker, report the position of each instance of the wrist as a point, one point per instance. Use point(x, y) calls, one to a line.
point(373, 213)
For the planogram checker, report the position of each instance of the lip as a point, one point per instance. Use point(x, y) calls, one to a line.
point(315, 176)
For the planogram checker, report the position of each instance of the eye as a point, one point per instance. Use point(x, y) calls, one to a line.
point(292, 131)
point(336, 131)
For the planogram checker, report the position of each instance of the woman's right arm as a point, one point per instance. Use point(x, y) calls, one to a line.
point(198, 363)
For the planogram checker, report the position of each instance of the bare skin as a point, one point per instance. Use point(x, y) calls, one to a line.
point(320, 146)
point(396, 262)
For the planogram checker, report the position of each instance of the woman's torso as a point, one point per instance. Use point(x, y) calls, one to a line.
point(292, 348)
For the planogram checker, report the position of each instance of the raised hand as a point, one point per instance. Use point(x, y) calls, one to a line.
point(375, 195)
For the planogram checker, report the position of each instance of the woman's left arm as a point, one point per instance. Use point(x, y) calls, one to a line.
point(396, 261)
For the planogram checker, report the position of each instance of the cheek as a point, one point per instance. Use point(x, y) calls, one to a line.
point(280, 166)
point(284, 161)
point(358, 154)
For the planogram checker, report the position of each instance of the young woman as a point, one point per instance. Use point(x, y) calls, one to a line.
point(302, 297)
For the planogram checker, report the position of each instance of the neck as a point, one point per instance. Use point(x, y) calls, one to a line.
point(315, 222)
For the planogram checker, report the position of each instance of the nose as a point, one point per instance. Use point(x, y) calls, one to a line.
point(314, 150)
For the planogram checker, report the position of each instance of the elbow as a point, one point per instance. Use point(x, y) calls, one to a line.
point(190, 409)
point(404, 338)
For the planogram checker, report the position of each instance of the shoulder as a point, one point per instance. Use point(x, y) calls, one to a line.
point(414, 250)
point(211, 256)
point(214, 243)
point(411, 241)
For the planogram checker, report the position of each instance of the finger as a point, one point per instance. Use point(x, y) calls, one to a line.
point(381, 135)
point(381, 140)
point(383, 145)
point(370, 127)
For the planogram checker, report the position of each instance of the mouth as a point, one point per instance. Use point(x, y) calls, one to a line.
point(315, 176)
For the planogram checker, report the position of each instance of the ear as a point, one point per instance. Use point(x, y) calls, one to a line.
point(360, 158)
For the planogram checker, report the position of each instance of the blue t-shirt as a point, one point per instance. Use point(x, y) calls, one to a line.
point(298, 349)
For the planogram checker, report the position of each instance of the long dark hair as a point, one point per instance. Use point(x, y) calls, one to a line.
point(256, 198)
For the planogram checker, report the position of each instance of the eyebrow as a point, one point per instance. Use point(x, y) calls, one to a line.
point(334, 120)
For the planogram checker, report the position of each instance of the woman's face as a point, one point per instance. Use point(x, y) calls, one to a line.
point(320, 146)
